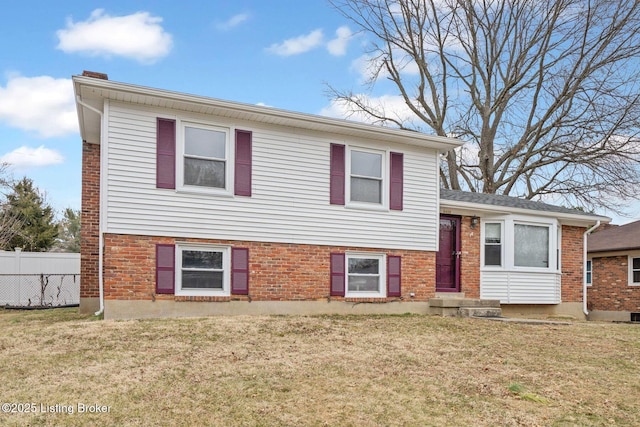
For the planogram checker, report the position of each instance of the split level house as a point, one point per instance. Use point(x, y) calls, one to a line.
point(613, 273)
point(198, 206)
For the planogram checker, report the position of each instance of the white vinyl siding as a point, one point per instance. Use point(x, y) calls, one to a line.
point(513, 287)
point(290, 190)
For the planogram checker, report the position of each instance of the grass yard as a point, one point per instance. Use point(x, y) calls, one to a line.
point(333, 370)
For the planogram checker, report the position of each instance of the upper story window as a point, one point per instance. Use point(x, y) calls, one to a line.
point(366, 176)
point(205, 157)
point(493, 244)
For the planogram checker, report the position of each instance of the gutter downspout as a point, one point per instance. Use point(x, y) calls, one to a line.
point(584, 264)
point(100, 232)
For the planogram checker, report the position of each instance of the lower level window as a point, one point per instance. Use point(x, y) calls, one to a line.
point(365, 275)
point(202, 271)
point(635, 271)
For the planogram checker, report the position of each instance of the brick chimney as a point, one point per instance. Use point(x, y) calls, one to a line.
point(95, 75)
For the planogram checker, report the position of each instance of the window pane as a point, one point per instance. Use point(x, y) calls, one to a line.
point(202, 279)
point(201, 259)
point(364, 265)
point(492, 255)
point(636, 263)
point(636, 277)
point(204, 142)
point(364, 283)
point(205, 173)
point(366, 190)
point(589, 277)
point(366, 164)
point(492, 233)
point(531, 246)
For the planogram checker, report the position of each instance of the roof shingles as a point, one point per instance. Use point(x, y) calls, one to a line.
point(615, 238)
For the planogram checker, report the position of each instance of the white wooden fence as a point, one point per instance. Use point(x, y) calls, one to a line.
point(36, 279)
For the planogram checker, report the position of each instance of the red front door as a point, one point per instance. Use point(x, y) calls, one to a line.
point(448, 257)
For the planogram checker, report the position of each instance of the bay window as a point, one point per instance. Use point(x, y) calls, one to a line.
point(531, 246)
point(493, 244)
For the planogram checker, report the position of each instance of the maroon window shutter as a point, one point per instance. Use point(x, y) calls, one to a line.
point(240, 271)
point(337, 274)
point(166, 153)
point(394, 277)
point(165, 269)
point(396, 185)
point(242, 181)
point(336, 183)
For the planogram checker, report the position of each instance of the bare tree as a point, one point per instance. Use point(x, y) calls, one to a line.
point(545, 93)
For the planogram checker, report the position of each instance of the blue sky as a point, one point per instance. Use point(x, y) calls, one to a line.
point(281, 53)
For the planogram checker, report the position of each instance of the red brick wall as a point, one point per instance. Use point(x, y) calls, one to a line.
point(610, 290)
point(89, 234)
point(470, 259)
point(572, 263)
point(278, 272)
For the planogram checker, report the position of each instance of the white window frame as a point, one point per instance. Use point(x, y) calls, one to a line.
point(229, 159)
point(382, 272)
point(502, 245)
point(588, 272)
point(630, 258)
point(551, 251)
point(508, 243)
point(384, 190)
point(226, 266)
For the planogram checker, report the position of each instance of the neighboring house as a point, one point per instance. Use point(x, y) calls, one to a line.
point(613, 273)
point(196, 206)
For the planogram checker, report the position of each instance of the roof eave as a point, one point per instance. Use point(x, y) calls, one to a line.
point(495, 209)
point(294, 119)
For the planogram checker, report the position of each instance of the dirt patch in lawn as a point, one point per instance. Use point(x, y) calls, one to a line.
point(326, 370)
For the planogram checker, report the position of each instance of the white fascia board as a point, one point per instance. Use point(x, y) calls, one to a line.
point(564, 218)
point(290, 118)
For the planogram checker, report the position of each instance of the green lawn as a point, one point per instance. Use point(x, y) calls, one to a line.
point(326, 370)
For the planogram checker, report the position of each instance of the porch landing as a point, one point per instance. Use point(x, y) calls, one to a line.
point(456, 305)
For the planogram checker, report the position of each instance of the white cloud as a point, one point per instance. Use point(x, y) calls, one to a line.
point(232, 22)
point(338, 46)
point(392, 106)
point(297, 45)
point(26, 156)
point(138, 36)
point(39, 104)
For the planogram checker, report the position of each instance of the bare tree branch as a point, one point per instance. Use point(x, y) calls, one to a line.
point(546, 92)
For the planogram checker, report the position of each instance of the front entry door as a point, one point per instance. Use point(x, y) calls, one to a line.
point(448, 257)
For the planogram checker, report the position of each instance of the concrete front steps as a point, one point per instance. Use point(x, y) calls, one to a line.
point(456, 305)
